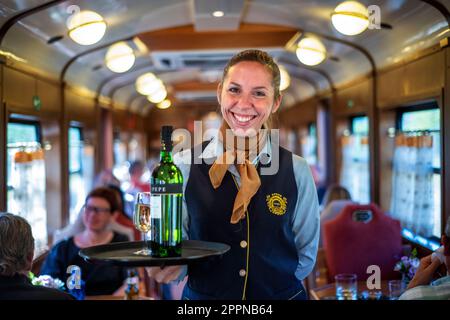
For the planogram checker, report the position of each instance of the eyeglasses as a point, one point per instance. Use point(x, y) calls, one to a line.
point(96, 209)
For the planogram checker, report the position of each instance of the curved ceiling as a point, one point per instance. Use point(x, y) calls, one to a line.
point(183, 43)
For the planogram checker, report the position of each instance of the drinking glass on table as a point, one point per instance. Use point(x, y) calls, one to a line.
point(396, 288)
point(142, 220)
point(346, 286)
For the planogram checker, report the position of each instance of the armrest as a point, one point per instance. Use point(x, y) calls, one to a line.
point(38, 261)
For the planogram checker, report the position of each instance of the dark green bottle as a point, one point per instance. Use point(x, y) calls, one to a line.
point(166, 201)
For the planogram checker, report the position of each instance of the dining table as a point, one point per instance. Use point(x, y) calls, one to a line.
point(328, 291)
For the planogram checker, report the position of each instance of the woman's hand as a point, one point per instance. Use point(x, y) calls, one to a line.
point(165, 274)
point(425, 272)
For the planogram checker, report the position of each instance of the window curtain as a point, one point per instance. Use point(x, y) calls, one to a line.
point(354, 174)
point(28, 193)
point(309, 145)
point(412, 183)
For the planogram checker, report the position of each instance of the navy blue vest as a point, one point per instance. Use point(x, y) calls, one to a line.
point(268, 272)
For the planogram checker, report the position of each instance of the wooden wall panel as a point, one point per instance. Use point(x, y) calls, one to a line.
point(3, 124)
point(418, 80)
point(80, 109)
point(121, 120)
point(50, 95)
point(353, 100)
point(51, 133)
point(299, 115)
point(387, 144)
point(18, 89)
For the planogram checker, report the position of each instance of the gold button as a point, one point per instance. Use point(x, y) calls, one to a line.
point(242, 273)
point(243, 244)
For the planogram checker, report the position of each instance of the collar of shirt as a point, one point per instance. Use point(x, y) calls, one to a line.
point(215, 148)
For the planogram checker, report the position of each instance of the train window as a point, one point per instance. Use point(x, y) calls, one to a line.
point(309, 145)
point(26, 178)
point(355, 160)
point(136, 147)
point(416, 194)
point(76, 181)
point(360, 126)
point(120, 169)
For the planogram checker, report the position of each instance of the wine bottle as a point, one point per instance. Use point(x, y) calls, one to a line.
point(132, 289)
point(166, 201)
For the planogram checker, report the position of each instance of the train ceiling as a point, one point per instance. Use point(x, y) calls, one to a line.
point(186, 46)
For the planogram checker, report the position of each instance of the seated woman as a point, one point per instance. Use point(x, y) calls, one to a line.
point(120, 224)
point(336, 198)
point(99, 210)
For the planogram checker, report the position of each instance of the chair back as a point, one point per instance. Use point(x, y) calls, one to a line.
point(37, 263)
point(361, 236)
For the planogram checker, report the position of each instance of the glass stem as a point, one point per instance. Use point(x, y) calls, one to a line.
point(145, 240)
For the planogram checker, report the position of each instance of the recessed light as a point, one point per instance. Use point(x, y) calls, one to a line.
point(218, 14)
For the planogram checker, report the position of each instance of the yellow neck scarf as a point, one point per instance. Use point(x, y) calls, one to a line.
point(239, 151)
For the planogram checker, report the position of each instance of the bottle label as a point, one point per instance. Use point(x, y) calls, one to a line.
point(155, 206)
point(167, 188)
point(133, 281)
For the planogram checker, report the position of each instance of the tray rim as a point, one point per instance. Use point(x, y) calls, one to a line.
point(85, 253)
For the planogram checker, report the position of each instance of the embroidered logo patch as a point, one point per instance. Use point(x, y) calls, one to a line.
point(276, 203)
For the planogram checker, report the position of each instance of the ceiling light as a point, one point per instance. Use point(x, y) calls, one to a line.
point(119, 57)
point(350, 18)
point(164, 104)
point(285, 79)
point(218, 14)
point(86, 27)
point(157, 96)
point(311, 51)
point(148, 83)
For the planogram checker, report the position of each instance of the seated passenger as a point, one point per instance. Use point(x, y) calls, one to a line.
point(121, 224)
point(334, 201)
point(421, 286)
point(136, 171)
point(16, 256)
point(99, 210)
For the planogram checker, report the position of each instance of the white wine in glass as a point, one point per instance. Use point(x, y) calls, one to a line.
point(142, 220)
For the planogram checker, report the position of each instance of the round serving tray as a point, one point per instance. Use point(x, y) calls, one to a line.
point(122, 253)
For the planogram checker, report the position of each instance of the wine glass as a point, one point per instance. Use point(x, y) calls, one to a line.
point(142, 220)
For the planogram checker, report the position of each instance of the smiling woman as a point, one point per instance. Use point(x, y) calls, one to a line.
point(362, 80)
point(228, 198)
